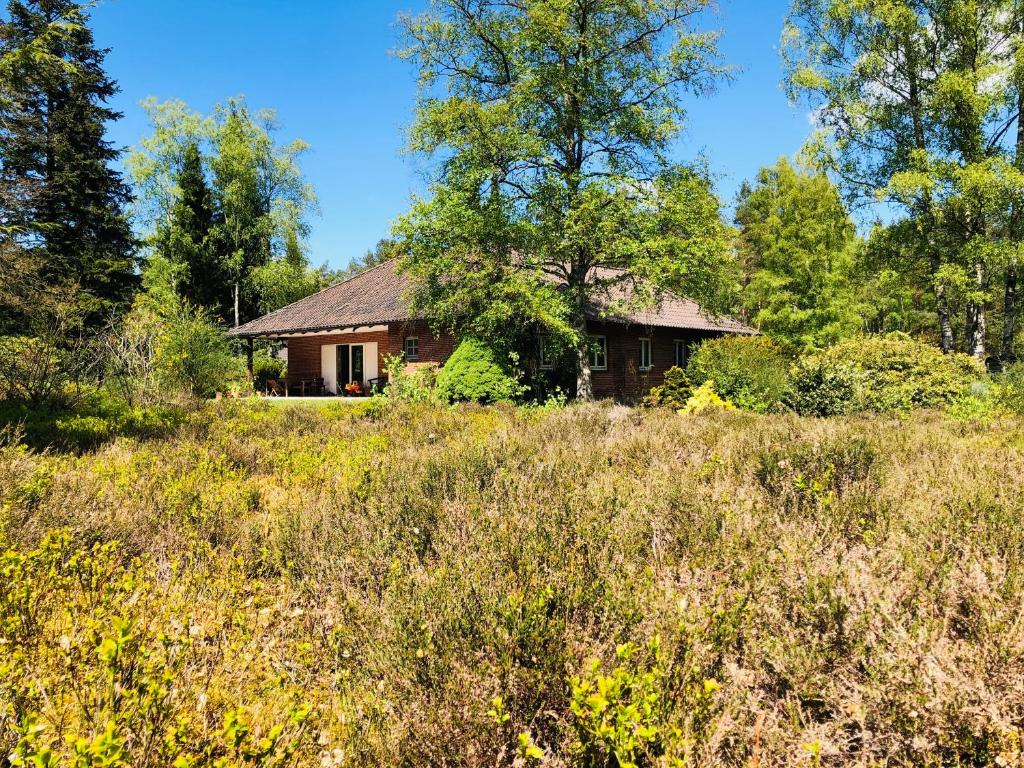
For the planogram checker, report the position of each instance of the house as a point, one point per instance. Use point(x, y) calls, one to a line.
point(345, 333)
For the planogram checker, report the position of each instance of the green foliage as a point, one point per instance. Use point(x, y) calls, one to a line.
point(61, 196)
point(102, 690)
point(822, 387)
point(705, 398)
point(519, 218)
point(674, 391)
point(32, 369)
point(751, 371)
point(397, 569)
point(820, 477)
point(474, 374)
point(265, 367)
point(896, 373)
point(1009, 390)
point(224, 199)
point(193, 354)
point(87, 420)
point(936, 146)
point(410, 384)
point(796, 244)
point(625, 716)
point(165, 348)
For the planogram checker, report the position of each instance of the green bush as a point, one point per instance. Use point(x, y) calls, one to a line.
point(87, 421)
point(1009, 391)
point(896, 373)
point(473, 374)
point(750, 371)
point(822, 387)
point(194, 354)
point(264, 368)
point(673, 393)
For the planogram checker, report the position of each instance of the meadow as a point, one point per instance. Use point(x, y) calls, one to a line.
point(389, 584)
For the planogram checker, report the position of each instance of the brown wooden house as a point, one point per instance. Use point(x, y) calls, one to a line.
point(345, 333)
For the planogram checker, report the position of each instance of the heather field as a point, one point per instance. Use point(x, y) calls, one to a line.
point(383, 584)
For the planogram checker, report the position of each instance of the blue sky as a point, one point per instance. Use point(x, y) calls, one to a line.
point(325, 66)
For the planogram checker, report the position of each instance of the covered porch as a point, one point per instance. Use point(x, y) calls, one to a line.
point(332, 363)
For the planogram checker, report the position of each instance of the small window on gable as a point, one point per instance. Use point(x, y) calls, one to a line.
point(548, 353)
point(412, 348)
point(599, 353)
point(645, 354)
point(681, 353)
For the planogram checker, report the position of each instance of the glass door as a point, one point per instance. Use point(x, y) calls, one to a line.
point(344, 367)
point(357, 364)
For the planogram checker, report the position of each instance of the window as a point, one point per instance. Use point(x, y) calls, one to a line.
point(682, 352)
point(599, 353)
point(645, 354)
point(412, 348)
point(548, 354)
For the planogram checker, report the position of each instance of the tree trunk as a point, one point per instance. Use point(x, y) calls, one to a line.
point(945, 324)
point(584, 378)
point(1010, 312)
point(976, 324)
point(236, 305)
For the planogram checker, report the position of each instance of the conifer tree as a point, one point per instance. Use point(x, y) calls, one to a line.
point(190, 238)
point(52, 133)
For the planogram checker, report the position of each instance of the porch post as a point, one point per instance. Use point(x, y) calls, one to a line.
point(248, 357)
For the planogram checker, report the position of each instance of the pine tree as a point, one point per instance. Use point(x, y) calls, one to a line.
point(190, 238)
point(52, 134)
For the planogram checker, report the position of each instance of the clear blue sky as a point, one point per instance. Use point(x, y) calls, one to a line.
point(325, 66)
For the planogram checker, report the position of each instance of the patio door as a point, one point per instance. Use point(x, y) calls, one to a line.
point(341, 364)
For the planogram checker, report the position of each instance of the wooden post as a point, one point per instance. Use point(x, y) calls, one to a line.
point(248, 358)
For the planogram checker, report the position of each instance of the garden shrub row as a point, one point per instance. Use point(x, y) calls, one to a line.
point(883, 374)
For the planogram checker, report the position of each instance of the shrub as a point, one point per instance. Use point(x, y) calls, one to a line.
point(1009, 390)
point(31, 369)
point(822, 387)
point(193, 354)
point(673, 393)
point(705, 398)
point(473, 374)
point(751, 371)
point(87, 421)
point(266, 367)
point(410, 385)
point(897, 373)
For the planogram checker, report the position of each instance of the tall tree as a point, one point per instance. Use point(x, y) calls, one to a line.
point(53, 117)
point(259, 201)
point(796, 242)
point(552, 119)
point(918, 101)
point(190, 237)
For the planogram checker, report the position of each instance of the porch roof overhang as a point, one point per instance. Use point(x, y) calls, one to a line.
point(304, 333)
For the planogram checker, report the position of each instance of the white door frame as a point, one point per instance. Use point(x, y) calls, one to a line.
point(329, 364)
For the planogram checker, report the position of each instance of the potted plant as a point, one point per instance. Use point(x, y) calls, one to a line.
point(353, 389)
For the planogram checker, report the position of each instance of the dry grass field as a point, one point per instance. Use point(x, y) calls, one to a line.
point(592, 586)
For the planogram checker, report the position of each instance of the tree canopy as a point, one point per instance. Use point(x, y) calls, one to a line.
point(796, 243)
point(550, 123)
point(918, 105)
point(228, 205)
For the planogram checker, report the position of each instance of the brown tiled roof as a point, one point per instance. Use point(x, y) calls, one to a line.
point(373, 297)
point(380, 295)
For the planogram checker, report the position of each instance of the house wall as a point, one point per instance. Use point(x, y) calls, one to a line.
point(622, 381)
point(304, 351)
